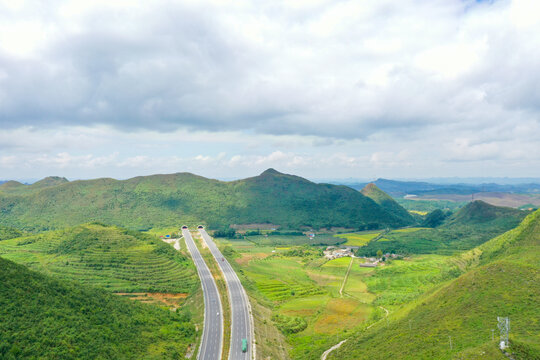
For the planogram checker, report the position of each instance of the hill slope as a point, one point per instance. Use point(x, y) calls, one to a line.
point(165, 200)
point(480, 212)
point(474, 224)
point(15, 187)
point(504, 281)
point(105, 256)
point(50, 319)
point(386, 202)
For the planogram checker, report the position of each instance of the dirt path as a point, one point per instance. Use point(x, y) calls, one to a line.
point(346, 277)
point(327, 352)
point(387, 313)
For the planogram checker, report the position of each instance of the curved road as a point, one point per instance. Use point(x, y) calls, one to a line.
point(212, 338)
point(242, 322)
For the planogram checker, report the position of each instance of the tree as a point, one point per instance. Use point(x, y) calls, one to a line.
point(379, 253)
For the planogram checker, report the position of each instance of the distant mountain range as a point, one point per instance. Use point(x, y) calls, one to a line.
point(402, 188)
point(167, 200)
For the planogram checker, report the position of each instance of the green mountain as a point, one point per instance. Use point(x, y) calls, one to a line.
point(168, 200)
point(480, 212)
point(106, 256)
point(386, 202)
point(503, 279)
point(10, 185)
point(45, 318)
point(15, 187)
point(471, 226)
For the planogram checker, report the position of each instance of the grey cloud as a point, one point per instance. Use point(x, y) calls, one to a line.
point(272, 70)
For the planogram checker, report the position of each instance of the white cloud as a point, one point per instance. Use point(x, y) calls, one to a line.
point(387, 85)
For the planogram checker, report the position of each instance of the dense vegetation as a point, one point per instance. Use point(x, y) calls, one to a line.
point(386, 202)
point(503, 279)
point(105, 256)
point(163, 200)
point(471, 226)
point(46, 318)
point(8, 233)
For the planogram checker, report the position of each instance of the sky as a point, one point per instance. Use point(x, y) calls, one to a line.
point(226, 89)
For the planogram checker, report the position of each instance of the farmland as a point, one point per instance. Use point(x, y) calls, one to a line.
point(358, 238)
point(300, 289)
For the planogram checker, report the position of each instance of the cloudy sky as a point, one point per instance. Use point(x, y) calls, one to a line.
point(323, 89)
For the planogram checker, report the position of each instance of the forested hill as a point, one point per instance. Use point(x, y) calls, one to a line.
point(165, 200)
point(46, 318)
point(479, 212)
point(386, 201)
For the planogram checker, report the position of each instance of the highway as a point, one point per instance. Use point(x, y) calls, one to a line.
point(212, 338)
point(241, 318)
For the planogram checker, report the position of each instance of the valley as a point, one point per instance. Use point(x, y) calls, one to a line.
point(391, 279)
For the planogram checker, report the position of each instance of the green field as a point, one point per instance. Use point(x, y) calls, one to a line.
point(359, 238)
point(108, 257)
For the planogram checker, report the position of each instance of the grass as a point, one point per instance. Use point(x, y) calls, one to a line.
point(359, 238)
point(401, 281)
point(108, 257)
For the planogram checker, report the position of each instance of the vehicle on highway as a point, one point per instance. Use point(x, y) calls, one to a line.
point(244, 345)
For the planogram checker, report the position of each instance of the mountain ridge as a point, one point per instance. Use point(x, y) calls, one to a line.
point(163, 200)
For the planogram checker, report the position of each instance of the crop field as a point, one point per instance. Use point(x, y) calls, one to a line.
point(402, 281)
point(107, 257)
point(308, 286)
point(359, 238)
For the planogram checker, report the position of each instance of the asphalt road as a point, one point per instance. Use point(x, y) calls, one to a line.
point(242, 323)
point(212, 338)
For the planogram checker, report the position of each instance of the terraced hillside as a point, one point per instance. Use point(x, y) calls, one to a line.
point(48, 318)
point(163, 200)
point(503, 279)
point(109, 257)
